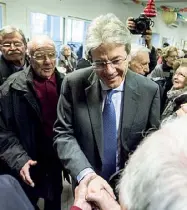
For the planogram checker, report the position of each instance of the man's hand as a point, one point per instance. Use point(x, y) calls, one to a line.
point(103, 200)
point(97, 184)
point(81, 192)
point(25, 174)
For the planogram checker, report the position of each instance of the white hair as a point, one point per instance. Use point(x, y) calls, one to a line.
point(135, 49)
point(156, 174)
point(107, 29)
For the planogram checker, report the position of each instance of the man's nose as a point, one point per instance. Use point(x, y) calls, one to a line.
point(109, 69)
point(12, 46)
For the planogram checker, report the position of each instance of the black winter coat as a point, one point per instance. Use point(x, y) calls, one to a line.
point(21, 136)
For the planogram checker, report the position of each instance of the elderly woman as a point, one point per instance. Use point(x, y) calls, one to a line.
point(67, 59)
point(163, 73)
point(178, 93)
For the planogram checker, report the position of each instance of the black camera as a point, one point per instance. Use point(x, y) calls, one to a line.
point(142, 23)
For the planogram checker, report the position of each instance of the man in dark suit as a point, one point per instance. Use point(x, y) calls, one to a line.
point(13, 47)
point(104, 110)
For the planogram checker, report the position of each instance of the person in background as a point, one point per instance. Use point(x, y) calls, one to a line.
point(139, 62)
point(164, 181)
point(28, 101)
point(103, 110)
point(159, 55)
point(13, 47)
point(12, 195)
point(84, 62)
point(163, 73)
point(148, 44)
point(177, 96)
point(165, 44)
point(67, 59)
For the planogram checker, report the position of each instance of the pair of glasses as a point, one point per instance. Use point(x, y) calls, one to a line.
point(41, 56)
point(100, 65)
point(9, 44)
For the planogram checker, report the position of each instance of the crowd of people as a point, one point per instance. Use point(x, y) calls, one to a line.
point(89, 123)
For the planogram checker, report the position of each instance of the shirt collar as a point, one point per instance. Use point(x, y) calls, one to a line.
point(119, 89)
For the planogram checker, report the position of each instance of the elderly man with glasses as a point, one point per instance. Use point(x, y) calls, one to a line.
point(28, 111)
point(13, 48)
point(104, 110)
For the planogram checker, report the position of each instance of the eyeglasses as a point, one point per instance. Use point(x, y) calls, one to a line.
point(9, 44)
point(100, 65)
point(41, 56)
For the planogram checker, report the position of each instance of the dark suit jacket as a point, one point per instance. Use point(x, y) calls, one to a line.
point(78, 128)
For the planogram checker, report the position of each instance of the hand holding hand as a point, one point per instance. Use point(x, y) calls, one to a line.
point(97, 184)
point(103, 200)
point(25, 173)
point(81, 192)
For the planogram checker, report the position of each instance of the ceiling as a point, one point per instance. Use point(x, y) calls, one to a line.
point(171, 3)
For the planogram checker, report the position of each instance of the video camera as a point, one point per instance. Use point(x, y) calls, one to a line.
point(142, 24)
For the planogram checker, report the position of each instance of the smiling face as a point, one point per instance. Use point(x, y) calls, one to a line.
point(111, 74)
point(180, 78)
point(43, 58)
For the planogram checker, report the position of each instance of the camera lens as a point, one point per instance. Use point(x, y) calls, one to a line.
point(141, 26)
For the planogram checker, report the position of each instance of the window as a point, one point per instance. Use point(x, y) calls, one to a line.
point(50, 25)
point(2, 15)
point(76, 30)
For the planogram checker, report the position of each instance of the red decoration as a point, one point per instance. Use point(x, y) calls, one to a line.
point(150, 9)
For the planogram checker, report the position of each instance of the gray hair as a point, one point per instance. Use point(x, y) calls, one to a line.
point(156, 174)
point(107, 29)
point(11, 29)
point(37, 40)
point(135, 49)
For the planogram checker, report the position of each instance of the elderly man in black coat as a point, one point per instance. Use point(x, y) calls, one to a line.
point(28, 101)
point(13, 48)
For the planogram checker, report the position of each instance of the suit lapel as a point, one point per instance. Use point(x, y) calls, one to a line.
point(130, 104)
point(94, 101)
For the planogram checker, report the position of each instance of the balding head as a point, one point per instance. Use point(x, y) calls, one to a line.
point(42, 54)
point(139, 59)
point(39, 41)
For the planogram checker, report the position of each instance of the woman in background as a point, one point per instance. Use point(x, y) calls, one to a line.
point(177, 96)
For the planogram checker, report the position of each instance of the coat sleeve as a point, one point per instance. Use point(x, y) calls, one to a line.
point(154, 114)
point(153, 61)
point(11, 151)
point(156, 72)
point(65, 142)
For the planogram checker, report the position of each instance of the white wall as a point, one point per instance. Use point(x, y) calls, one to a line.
point(160, 27)
point(17, 13)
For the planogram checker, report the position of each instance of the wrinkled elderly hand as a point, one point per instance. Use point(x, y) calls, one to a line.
point(25, 173)
point(81, 192)
point(97, 184)
point(103, 200)
point(182, 111)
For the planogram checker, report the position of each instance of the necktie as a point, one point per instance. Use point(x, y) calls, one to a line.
point(109, 136)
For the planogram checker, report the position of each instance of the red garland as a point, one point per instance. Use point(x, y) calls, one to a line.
point(150, 9)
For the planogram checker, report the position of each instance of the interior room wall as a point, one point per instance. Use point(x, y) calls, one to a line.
point(17, 13)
